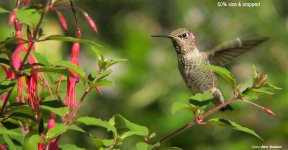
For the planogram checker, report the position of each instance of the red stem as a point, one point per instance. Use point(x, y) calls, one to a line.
point(188, 125)
point(200, 118)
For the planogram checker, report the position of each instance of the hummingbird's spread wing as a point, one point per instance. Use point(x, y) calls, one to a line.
point(225, 52)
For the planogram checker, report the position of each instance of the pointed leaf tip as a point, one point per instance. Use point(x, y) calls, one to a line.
point(233, 125)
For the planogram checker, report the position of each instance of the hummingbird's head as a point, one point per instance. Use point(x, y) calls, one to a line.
point(183, 40)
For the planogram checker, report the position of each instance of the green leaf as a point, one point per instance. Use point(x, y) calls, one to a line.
point(102, 75)
point(262, 91)
point(201, 96)
point(30, 142)
point(57, 130)
point(101, 83)
point(223, 72)
point(30, 17)
point(10, 43)
point(142, 146)
point(6, 86)
point(63, 71)
point(98, 53)
point(71, 39)
point(2, 10)
point(20, 110)
point(250, 93)
point(123, 125)
point(23, 117)
point(40, 59)
point(43, 61)
point(179, 106)
point(233, 125)
point(76, 128)
point(54, 106)
point(82, 75)
point(70, 147)
point(3, 131)
point(4, 61)
point(9, 142)
point(200, 101)
point(170, 148)
point(271, 86)
point(97, 122)
point(114, 61)
point(103, 142)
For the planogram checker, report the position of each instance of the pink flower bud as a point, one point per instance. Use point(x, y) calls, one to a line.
point(51, 122)
point(12, 17)
point(62, 20)
point(268, 111)
point(91, 22)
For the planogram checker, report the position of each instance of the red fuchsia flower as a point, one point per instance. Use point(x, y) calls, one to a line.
point(62, 20)
point(70, 99)
point(90, 22)
point(51, 123)
point(16, 60)
point(32, 81)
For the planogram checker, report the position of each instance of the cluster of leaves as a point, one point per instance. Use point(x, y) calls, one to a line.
point(18, 125)
point(198, 102)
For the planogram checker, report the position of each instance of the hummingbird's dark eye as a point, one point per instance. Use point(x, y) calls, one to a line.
point(185, 35)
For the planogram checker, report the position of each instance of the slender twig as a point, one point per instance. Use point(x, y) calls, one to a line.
point(188, 125)
point(213, 110)
point(196, 120)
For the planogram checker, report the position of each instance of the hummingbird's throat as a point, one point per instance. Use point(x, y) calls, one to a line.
point(192, 37)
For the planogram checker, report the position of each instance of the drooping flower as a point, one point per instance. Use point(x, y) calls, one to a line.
point(70, 99)
point(16, 60)
point(32, 80)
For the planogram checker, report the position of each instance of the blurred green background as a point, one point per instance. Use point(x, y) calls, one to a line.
point(148, 84)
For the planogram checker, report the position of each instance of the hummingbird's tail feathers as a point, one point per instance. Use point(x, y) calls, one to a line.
point(227, 107)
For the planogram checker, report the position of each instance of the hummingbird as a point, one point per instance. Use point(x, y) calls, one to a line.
point(191, 61)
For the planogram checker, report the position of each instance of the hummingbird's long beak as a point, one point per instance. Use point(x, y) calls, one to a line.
point(162, 36)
